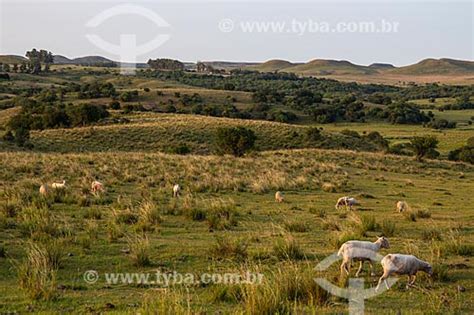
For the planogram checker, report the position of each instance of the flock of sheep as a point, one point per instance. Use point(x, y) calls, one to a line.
point(362, 251)
point(44, 190)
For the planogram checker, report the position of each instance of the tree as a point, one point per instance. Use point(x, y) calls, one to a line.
point(166, 64)
point(37, 59)
point(424, 146)
point(235, 140)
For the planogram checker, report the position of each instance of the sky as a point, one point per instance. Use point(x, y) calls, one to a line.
point(363, 32)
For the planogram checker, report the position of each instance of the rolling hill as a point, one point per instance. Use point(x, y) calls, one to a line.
point(273, 65)
point(442, 66)
point(315, 67)
point(11, 59)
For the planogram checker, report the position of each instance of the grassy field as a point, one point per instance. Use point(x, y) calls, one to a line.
point(449, 139)
point(184, 235)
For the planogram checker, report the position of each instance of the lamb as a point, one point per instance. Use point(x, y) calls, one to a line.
point(59, 185)
point(347, 202)
point(97, 187)
point(44, 190)
point(176, 190)
point(402, 206)
point(279, 196)
point(361, 251)
point(403, 265)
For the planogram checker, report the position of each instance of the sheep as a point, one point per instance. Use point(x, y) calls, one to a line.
point(347, 202)
point(361, 251)
point(44, 190)
point(176, 190)
point(97, 187)
point(400, 264)
point(59, 185)
point(279, 196)
point(402, 206)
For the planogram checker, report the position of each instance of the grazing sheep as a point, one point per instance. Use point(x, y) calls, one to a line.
point(347, 202)
point(402, 206)
point(44, 190)
point(400, 264)
point(97, 187)
point(361, 251)
point(59, 185)
point(176, 190)
point(279, 196)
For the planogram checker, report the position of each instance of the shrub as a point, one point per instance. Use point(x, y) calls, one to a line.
point(225, 247)
point(424, 146)
point(431, 235)
point(288, 248)
point(441, 272)
point(388, 228)
point(423, 214)
point(296, 226)
point(221, 215)
point(139, 250)
point(236, 141)
point(84, 114)
point(37, 274)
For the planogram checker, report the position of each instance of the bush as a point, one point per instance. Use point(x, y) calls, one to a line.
point(388, 228)
point(288, 248)
point(296, 226)
point(424, 146)
point(84, 114)
point(37, 274)
point(229, 248)
point(139, 250)
point(236, 141)
point(114, 105)
point(129, 96)
point(423, 214)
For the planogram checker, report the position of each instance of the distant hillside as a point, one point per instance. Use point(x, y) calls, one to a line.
point(442, 66)
point(273, 65)
point(11, 59)
point(382, 66)
point(229, 65)
point(329, 67)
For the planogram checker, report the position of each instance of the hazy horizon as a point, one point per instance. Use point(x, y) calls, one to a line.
point(196, 30)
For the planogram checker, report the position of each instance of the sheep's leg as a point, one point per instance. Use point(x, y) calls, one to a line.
point(344, 268)
point(360, 268)
point(372, 273)
point(412, 282)
point(384, 279)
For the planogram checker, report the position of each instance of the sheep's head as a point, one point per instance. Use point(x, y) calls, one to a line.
point(429, 270)
point(383, 241)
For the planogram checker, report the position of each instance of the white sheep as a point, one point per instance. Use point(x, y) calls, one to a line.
point(44, 190)
point(402, 206)
point(361, 251)
point(400, 264)
point(279, 196)
point(59, 185)
point(347, 202)
point(176, 190)
point(97, 187)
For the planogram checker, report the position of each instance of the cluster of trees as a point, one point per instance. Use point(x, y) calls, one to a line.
point(39, 115)
point(462, 102)
point(235, 140)
point(95, 89)
point(464, 153)
point(39, 60)
point(441, 124)
point(166, 64)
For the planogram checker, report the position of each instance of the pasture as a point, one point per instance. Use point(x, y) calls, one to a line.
point(136, 226)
